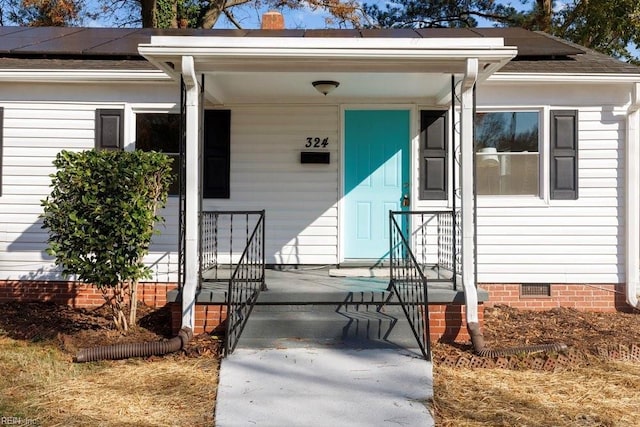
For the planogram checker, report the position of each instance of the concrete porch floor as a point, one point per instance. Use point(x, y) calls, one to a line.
point(320, 284)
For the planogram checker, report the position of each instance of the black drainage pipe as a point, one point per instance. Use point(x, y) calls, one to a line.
point(138, 349)
point(479, 346)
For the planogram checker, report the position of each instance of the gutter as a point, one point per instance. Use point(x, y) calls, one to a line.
point(82, 76)
point(632, 199)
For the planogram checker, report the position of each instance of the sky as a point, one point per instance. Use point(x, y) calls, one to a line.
point(249, 17)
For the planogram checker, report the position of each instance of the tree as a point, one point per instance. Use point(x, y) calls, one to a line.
point(101, 215)
point(205, 13)
point(440, 13)
point(605, 26)
point(42, 13)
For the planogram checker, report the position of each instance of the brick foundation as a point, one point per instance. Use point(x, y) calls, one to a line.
point(76, 294)
point(588, 297)
point(209, 318)
point(447, 321)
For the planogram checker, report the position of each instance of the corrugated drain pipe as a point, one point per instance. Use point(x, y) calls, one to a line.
point(481, 349)
point(139, 349)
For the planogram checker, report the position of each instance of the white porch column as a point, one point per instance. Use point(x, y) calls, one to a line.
point(192, 193)
point(466, 188)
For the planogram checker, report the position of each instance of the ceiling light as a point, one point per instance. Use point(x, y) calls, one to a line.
point(325, 86)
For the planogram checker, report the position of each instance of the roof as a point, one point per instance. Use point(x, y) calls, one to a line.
point(99, 48)
point(590, 62)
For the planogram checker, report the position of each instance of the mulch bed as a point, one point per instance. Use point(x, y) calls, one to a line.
point(614, 335)
point(75, 328)
point(587, 334)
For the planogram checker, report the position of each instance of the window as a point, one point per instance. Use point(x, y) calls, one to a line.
point(507, 156)
point(161, 132)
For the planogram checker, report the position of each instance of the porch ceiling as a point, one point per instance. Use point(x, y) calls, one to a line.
point(297, 86)
point(269, 69)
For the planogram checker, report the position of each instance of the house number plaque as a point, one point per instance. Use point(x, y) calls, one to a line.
point(316, 142)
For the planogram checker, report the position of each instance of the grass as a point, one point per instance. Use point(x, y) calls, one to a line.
point(603, 393)
point(40, 385)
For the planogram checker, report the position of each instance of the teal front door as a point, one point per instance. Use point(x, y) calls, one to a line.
point(376, 178)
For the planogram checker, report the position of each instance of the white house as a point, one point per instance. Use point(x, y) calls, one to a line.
point(549, 201)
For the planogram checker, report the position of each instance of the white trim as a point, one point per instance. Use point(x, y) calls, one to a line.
point(563, 78)
point(222, 54)
point(82, 76)
point(307, 43)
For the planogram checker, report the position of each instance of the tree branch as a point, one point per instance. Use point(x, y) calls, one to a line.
point(231, 18)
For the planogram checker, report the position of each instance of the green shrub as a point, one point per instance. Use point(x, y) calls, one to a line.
point(101, 215)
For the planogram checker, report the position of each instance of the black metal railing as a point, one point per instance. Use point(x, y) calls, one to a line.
point(224, 235)
point(247, 273)
point(409, 283)
point(432, 237)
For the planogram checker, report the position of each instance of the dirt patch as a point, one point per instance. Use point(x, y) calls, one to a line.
point(74, 328)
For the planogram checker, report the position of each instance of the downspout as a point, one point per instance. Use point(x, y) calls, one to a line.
point(192, 233)
point(192, 193)
point(468, 203)
point(467, 149)
point(632, 199)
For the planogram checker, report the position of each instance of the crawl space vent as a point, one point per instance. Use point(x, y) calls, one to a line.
point(532, 290)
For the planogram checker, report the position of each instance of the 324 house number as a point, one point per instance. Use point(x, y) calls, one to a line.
point(316, 142)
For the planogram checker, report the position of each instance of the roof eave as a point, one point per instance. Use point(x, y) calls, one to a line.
point(81, 76)
point(609, 78)
point(215, 54)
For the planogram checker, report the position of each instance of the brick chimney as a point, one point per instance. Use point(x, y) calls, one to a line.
point(272, 20)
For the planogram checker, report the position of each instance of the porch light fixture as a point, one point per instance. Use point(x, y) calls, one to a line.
point(325, 86)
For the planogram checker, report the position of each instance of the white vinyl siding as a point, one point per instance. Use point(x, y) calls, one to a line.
point(571, 241)
point(300, 199)
point(34, 132)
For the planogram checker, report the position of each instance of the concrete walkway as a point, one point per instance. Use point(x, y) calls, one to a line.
point(311, 387)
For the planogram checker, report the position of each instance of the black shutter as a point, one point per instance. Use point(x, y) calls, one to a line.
point(1, 145)
point(564, 155)
point(433, 155)
point(217, 154)
point(109, 129)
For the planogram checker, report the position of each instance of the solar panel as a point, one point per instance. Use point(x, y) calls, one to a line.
point(446, 32)
point(124, 42)
point(332, 33)
point(390, 33)
point(32, 36)
point(77, 43)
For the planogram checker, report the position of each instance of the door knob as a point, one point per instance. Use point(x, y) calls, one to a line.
point(406, 201)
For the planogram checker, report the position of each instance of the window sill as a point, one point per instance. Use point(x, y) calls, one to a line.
point(511, 201)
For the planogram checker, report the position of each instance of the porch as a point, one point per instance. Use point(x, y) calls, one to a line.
point(427, 160)
point(407, 300)
point(306, 304)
